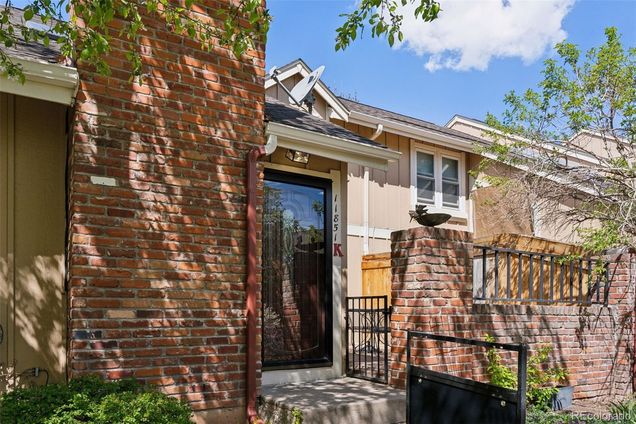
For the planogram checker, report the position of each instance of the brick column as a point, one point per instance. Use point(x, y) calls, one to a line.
point(430, 287)
point(157, 218)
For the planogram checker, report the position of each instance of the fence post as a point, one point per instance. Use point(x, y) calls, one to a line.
point(408, 376)
point(522, 373)
point(347, 336)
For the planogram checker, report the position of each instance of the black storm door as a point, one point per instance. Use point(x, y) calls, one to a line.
point(296, 271)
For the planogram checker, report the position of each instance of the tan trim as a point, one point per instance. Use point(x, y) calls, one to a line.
point(44, 81)
point(7, 219)
point(332, 147)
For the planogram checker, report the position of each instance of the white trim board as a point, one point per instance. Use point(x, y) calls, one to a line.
point(45, 81)
point(375, 233)
point(438, 154)
point(412, 132)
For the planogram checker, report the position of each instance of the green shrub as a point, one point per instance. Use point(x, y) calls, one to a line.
point(542, 380)
point(625, 411)
point(92, 400)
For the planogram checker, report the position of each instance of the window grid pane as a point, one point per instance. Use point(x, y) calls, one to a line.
point(425, 164)
point(450, 170)
point(450, 194)
point(425, 178)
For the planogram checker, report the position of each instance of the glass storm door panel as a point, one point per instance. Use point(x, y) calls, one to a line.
point(296, 271)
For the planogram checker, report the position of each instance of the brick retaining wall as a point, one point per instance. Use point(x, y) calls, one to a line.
point(432, 291)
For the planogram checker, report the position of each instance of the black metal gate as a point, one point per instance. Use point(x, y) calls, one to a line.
point(440, 398)
point(367, 338)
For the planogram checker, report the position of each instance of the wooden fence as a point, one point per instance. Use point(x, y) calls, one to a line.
point(376, 275)
point(529, 269)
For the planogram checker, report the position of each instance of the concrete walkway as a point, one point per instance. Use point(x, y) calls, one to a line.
point(344, 400)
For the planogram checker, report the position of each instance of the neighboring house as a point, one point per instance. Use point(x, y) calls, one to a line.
point(34, 124)
point(434, 169)
point(494, 204)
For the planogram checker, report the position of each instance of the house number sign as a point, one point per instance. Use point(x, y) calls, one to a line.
point(337, 244)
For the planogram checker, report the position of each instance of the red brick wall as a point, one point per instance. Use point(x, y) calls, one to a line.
point(157, 263)
point(432, 291)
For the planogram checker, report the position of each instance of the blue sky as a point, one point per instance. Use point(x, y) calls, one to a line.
point(401, 79)
point(398, 79)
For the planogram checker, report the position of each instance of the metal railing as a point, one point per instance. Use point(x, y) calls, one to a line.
point(367, 337)
point(510, 275)
point(439, 397)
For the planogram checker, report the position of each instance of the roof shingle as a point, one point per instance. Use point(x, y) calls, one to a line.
point(32, 51)
point(277, 111)
point(407, 120)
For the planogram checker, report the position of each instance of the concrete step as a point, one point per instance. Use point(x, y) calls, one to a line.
point(339, 401)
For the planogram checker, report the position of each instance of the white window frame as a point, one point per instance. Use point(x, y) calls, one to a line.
point(438, 154)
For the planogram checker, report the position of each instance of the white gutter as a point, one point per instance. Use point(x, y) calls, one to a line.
point(578, 155)
point(332, 147)
point(45, 81)
point(411, 131)
point(271, 145)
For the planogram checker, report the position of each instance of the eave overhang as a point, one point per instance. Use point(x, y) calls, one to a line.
point(45, 81)
point(332, 147)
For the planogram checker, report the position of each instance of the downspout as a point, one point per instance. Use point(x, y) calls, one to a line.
point(365, 199)
point(251, 285)
point(378, 131)
point(365, 212)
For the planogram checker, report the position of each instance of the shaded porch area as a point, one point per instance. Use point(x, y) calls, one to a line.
point(343, 400)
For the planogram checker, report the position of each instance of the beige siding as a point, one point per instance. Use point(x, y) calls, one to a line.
point(500, 211)
point(32, 233)
point(389, 200)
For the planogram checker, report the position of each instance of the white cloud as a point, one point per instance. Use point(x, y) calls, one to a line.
point(468, 34)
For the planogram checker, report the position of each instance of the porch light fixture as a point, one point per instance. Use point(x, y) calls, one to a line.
point(297, 156)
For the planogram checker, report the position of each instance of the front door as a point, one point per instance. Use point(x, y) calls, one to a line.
point(296, 271)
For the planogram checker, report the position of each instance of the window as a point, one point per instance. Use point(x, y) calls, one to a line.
point(425, 178)
point(437, 179)
point(450, 182)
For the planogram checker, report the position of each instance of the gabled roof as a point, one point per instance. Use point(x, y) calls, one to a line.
point(377, 112)
point(299, 66)
point(296, 129)
point(360, 113)
point(277, 111)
